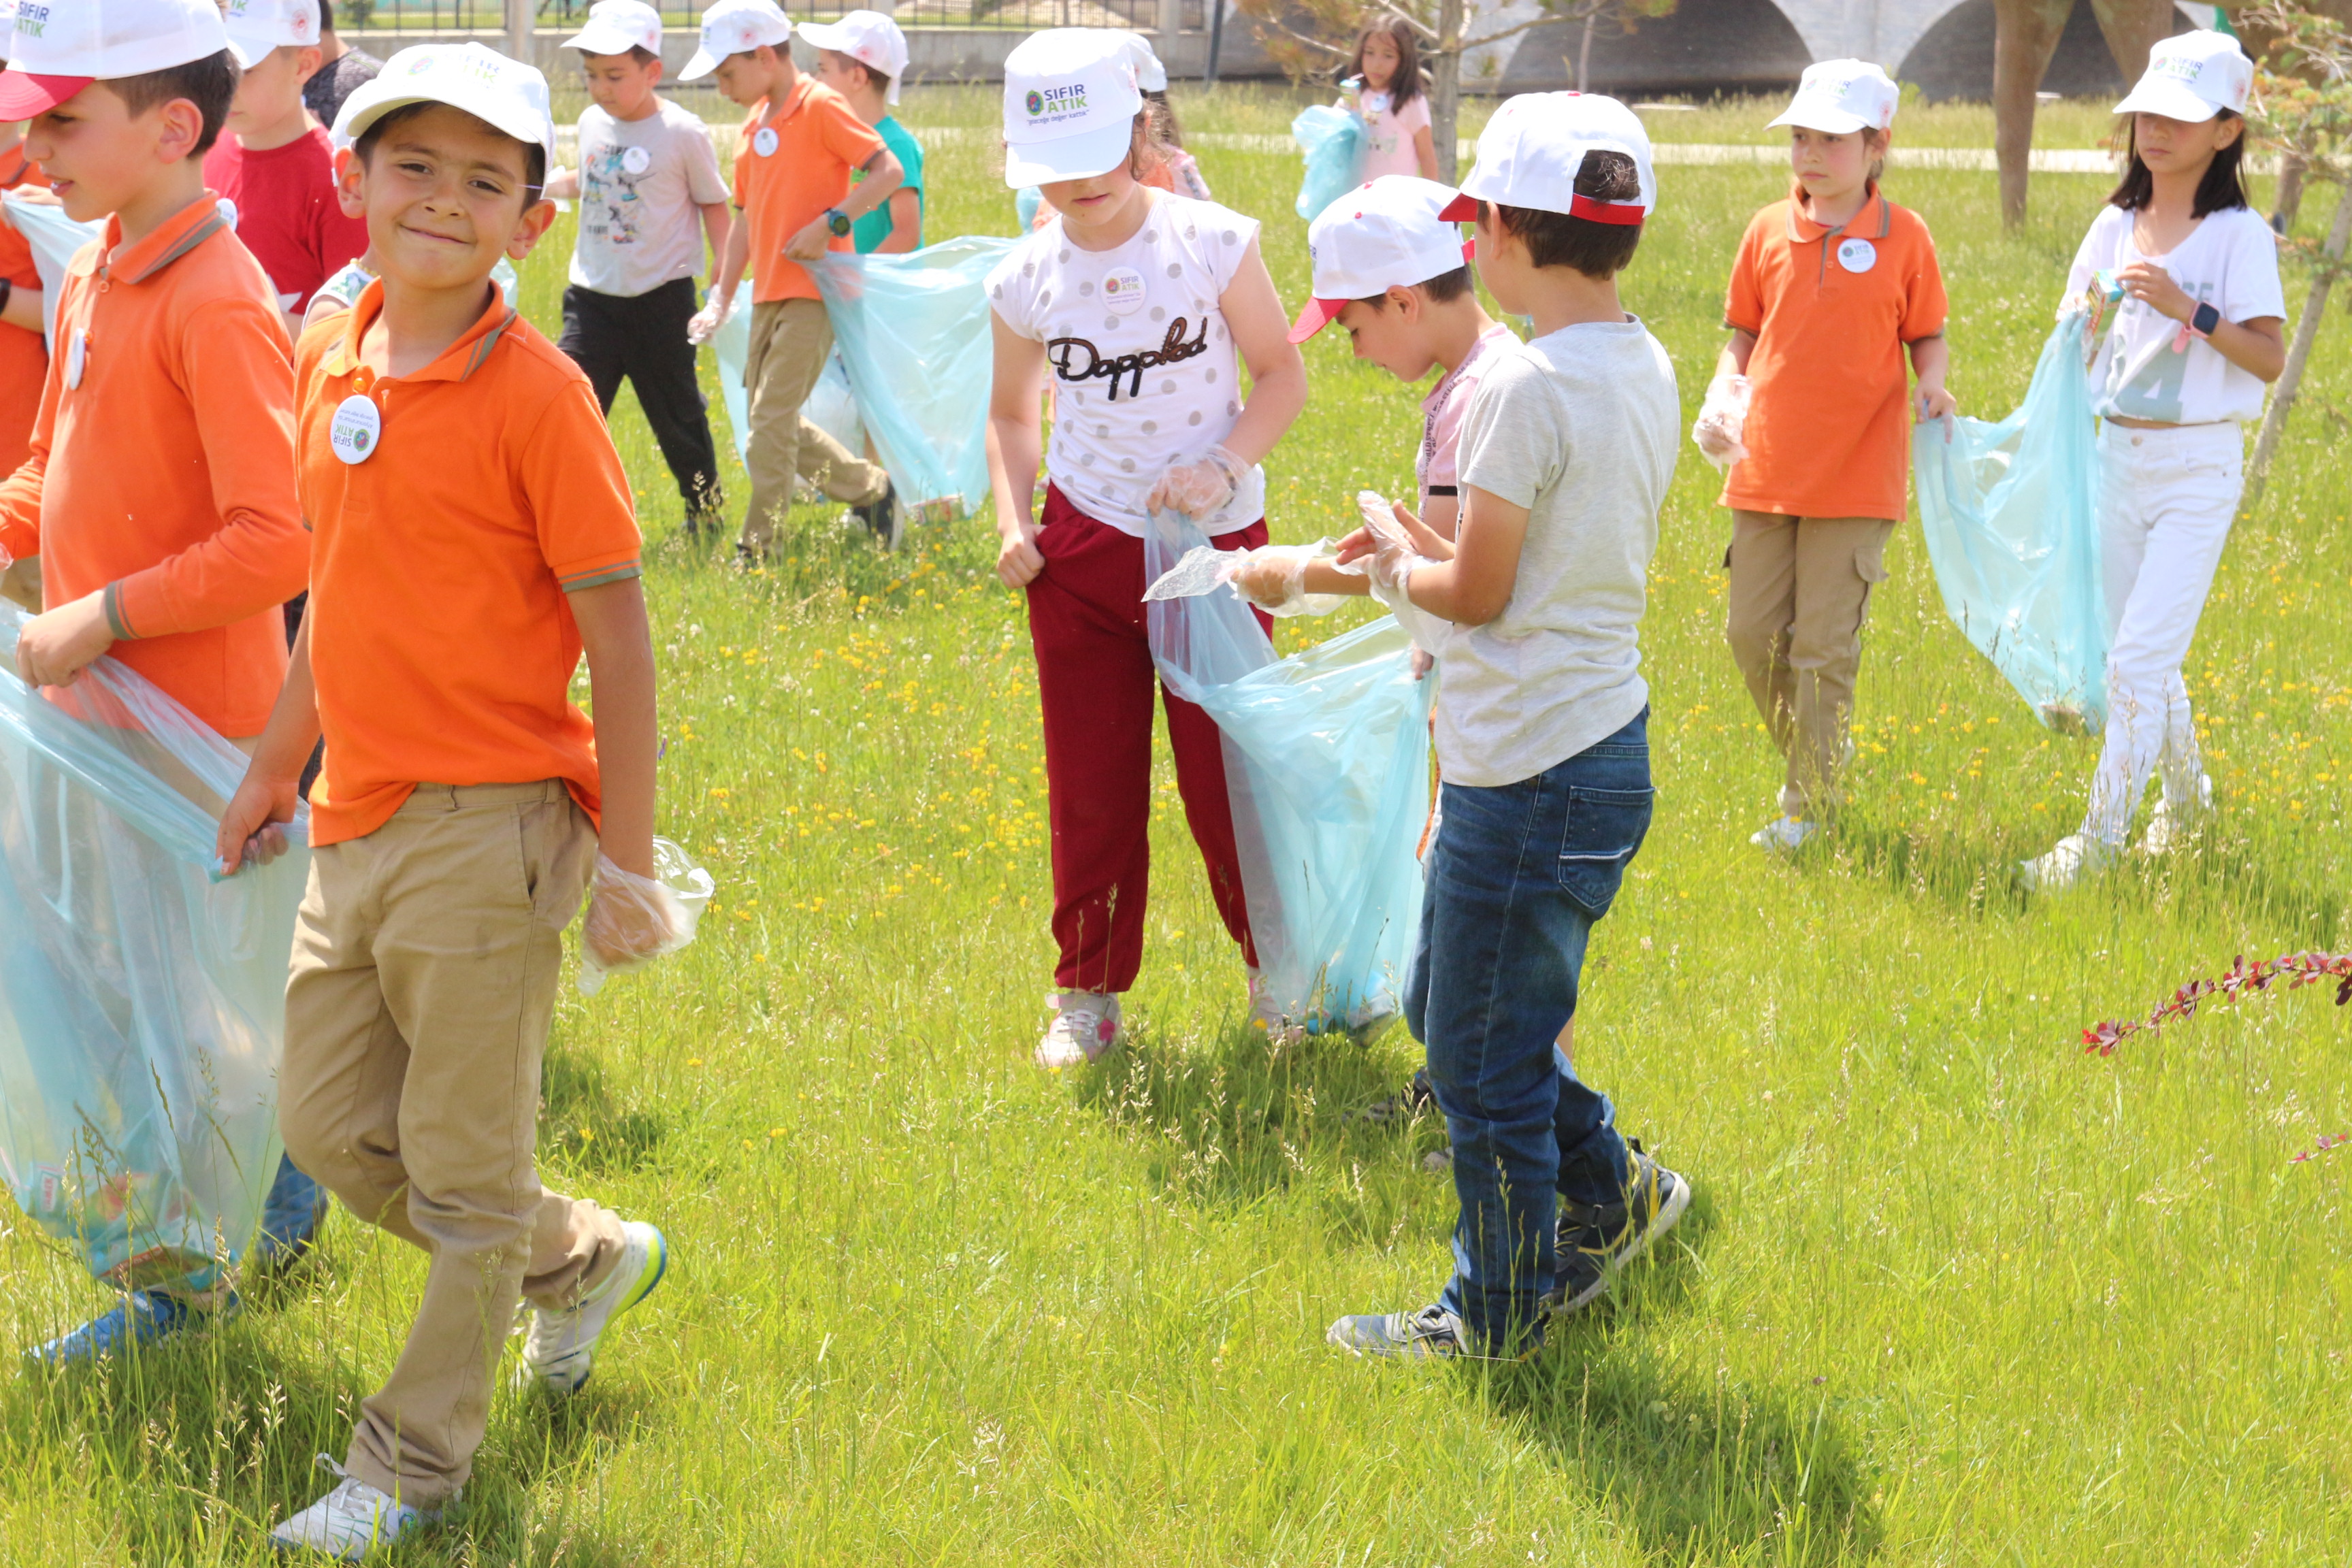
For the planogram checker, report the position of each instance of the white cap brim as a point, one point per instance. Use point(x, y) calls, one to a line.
point(1829, 120)
point(520, 124)
point(596, 38)
point(2169, 99)
point(1079, 157)
point(703, 63)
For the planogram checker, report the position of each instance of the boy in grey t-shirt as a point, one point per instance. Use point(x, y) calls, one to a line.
point(649, 192)
point(1534, 612)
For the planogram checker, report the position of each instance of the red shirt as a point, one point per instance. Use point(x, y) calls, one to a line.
point(287, 213)
point(24, 357)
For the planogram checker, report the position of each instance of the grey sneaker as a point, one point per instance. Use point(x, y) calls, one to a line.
point(1594, 1243)
point(1430, 1335)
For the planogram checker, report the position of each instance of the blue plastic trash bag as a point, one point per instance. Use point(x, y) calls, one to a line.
point(1026, 203)
point(54, 238)
point(913, 335)
point(832, 407)
point(1326, 763)
point(1333, 141)
point(2010, 512)
point(142, 1002)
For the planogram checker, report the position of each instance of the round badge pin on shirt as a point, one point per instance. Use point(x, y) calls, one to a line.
point(1857, 255)
point(637, 160)
point(763, 141)
point(356, 430)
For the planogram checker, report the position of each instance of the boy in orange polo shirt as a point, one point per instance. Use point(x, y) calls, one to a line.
point(800, 150)
point(474, 534)
point(159, 489)
point(1831, 287)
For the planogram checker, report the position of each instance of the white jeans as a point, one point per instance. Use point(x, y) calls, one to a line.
point(2167, 499)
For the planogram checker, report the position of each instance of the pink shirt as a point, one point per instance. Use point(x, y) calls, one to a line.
point(1389, 134)
point(1442, 412)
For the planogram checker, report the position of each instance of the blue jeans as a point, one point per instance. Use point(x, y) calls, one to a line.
point(1515, 880)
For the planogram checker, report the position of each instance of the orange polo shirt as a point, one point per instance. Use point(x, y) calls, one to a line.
point(441, 641)
point(819, 140)
point(167, 477)
point(1829, 421)
point(24, 359)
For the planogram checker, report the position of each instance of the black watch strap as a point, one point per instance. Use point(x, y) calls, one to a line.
point(2203, 319)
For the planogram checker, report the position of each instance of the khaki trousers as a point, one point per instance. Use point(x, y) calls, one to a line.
point(790, 341)
point(416, 1013)
point(1799, 593)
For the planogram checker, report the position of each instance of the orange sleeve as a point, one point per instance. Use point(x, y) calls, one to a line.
point(20, 492)
point(578, 492)
point(237, 372)
point(1924, 303)
point(1743, 301)
point(845, 136)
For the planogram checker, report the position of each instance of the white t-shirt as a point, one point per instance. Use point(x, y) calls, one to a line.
point(640, 182)
point(1582, 428)
point(1143, 368)
point(2229, 261)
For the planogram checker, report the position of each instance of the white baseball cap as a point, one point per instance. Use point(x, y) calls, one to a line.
point(505, 93)
point(1387, 232)
point(1531, 152)
point(58, 48)
point(866, 36)
point(1840, 96)
point(1150, 74)
point(737, 28)
point(2192, 77)
point(1070, 103)
point(255, 28)
point(616, 27)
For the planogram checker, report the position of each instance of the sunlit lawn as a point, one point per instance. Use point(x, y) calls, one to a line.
point(1952, 1291)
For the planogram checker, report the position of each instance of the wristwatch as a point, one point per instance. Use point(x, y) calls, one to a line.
point(2203, 319)
point(838, 222)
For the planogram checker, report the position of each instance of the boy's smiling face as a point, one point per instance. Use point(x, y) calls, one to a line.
point(99, 157)
point(444, 195)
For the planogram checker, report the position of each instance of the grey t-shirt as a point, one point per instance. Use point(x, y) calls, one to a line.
point(1580, 427)
point(640, 182)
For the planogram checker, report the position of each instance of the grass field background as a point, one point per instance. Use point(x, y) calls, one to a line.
point(1952, 1292)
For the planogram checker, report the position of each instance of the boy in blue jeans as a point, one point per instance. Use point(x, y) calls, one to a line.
point(1542, 714)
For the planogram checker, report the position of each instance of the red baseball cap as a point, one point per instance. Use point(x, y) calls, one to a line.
point(24, 95)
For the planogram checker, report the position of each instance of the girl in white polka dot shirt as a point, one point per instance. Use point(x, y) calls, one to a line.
point(1142, 307)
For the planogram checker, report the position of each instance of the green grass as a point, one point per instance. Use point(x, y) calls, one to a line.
point(1951, 1293)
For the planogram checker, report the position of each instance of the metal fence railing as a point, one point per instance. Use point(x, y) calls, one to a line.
point(360, 17)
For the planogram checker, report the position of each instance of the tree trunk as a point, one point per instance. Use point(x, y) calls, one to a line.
point(2025, 35)
point(2298, 354)
point(1445, 88)
point(2288, 198)
point(1584, 52)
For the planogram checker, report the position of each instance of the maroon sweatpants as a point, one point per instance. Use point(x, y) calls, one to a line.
point(1095, 682)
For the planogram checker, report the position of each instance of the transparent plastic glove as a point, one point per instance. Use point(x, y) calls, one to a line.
point(1199, 487)
point(1200, 571)
point(1391, 566)
point(1721, 419)
point(634, 919)
point(1274, 578)
point(705, 323)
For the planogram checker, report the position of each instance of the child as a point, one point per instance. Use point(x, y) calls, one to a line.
point(2192, 346)
point(647, 173)
point(1830, 288)
point(24, 353)
point(174, 554)
point(275, 164)
point(1173, 168)
point(1383, 87)
point(1144, 305)
point(801, 145)
point(1542, 718)
point(862, 57)
point(412, 1074)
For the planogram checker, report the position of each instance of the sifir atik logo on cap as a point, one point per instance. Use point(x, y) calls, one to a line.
point(2178, 66)
point(1047, 105)
point(31, 19)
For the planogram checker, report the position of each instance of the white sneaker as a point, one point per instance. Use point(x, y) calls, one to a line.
point(349, 1522)
point(1086, 1025)
point(2068, 862)
point(1785, 836)
point(2170, 828)
point(561, 1349)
